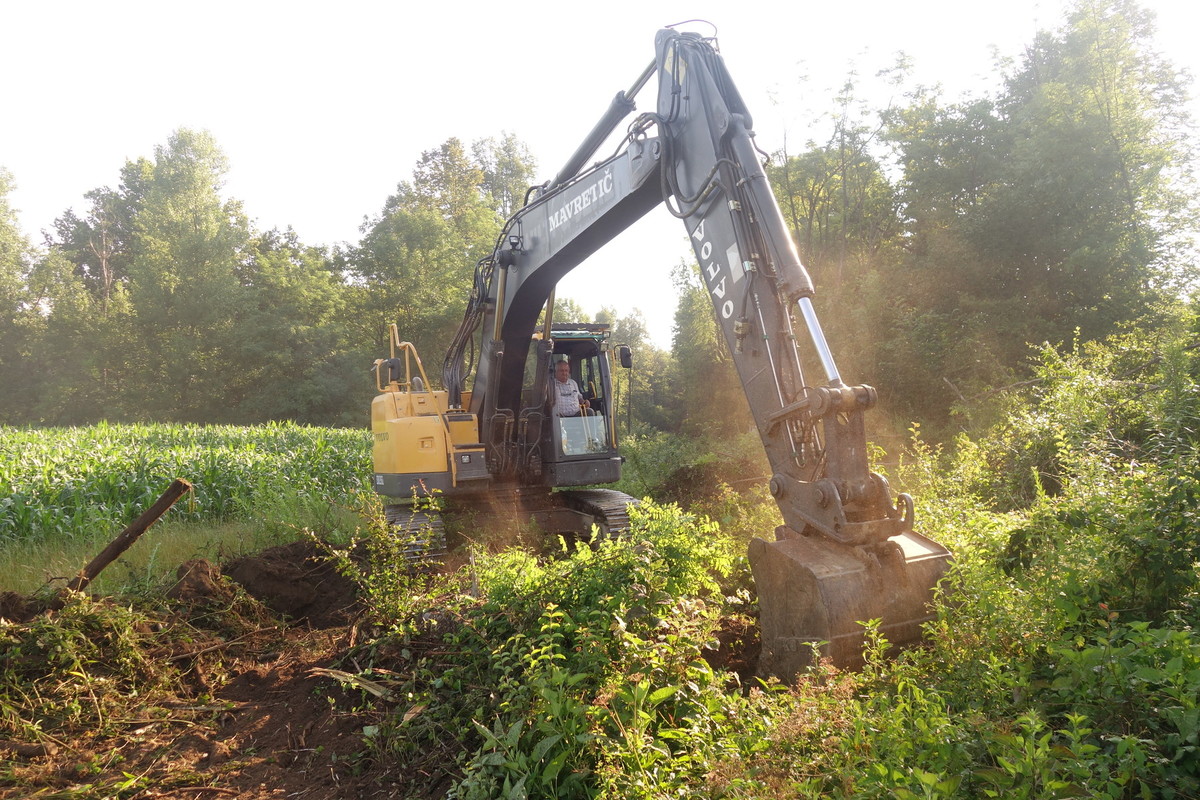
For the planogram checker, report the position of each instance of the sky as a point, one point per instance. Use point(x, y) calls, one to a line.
point(323, 108)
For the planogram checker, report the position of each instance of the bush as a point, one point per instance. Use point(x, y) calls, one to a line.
point(575, 676)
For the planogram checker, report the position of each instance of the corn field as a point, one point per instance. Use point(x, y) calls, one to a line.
point(71, 482)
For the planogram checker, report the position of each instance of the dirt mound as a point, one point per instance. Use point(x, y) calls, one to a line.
point(234, 705)
point(695, 483)
point(199, 582)
point(280, 730)
point(16, 607)
point(261, 721)
point(298, 581)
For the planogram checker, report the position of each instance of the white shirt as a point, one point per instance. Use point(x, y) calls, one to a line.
point(567, 397)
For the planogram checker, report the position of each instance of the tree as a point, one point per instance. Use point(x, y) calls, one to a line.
point(841, 207)
point(1082, 216)
point(509, 169)
point(16, 308)
point(187, 300)
point(14, 251)
point(710, 397)
point(567, 309)
point(1047, 210)
point(298, 362)
point(416, 259)
point(159, 301)
point(646, 391)
point(100, 244)
point(843, 215)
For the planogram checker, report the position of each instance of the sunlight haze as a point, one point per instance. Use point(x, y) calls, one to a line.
point(322, 109)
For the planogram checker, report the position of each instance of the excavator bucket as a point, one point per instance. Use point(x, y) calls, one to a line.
point(814, 596)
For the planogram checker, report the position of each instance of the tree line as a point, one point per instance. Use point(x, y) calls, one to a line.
point(160, 301)
point(944, 236)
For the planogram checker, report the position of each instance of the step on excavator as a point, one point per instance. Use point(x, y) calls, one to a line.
point(847, 552)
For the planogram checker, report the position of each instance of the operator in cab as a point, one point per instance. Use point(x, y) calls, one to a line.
point(565, 396)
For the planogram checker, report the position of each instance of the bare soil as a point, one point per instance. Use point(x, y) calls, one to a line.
point(250, 719)
point(738, 648)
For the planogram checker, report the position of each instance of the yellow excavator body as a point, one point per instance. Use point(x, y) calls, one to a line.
point(419, 445)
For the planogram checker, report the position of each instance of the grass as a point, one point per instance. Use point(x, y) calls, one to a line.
point(66, 492)
point(29, 565)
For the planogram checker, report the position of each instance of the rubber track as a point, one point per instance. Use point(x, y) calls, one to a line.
point(422, 532)
point(608, 506)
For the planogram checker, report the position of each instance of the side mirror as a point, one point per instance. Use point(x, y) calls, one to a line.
point(625, 354)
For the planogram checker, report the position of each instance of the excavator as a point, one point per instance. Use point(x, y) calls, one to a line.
point(847, 552)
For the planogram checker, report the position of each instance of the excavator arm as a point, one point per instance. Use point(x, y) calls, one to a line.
point(813, 434)
point(847, 551)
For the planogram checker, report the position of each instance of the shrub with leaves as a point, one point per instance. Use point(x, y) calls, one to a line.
point(574, 676)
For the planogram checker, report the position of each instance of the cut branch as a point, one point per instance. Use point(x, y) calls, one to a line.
point(130, 535)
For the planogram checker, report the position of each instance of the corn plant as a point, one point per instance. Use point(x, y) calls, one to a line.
point(71, 482)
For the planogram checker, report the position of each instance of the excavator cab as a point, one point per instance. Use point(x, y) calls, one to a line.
point(581, 449)
point(428, 445)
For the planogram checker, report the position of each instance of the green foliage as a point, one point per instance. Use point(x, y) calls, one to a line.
point(1062, 658)
point(839, 205)
point(1101, 452)
point(297, 359)
point(650, 460)
point(645, 396)
point(710, 396)
point(508, 171)
point(701, 473)
point(17, 320)
point(416, 259)
point(1098, 406)
point(76, 667)
point(395, 582)
point(74, 481)
point(577, 676)
point(1138, 687)
point(160, 301)
point(1052, 210)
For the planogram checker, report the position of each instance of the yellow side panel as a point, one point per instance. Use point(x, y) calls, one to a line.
point(391, 405)
point(425, 402)
point(464, 431)
point(383, 408)
point(406, 444)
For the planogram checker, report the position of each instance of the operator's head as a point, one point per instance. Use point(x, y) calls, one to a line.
point(562, 371)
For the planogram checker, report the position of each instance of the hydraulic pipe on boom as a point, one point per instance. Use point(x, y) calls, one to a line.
point(622, 106)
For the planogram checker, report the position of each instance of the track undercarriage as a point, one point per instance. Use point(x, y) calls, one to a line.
point(578, 515)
